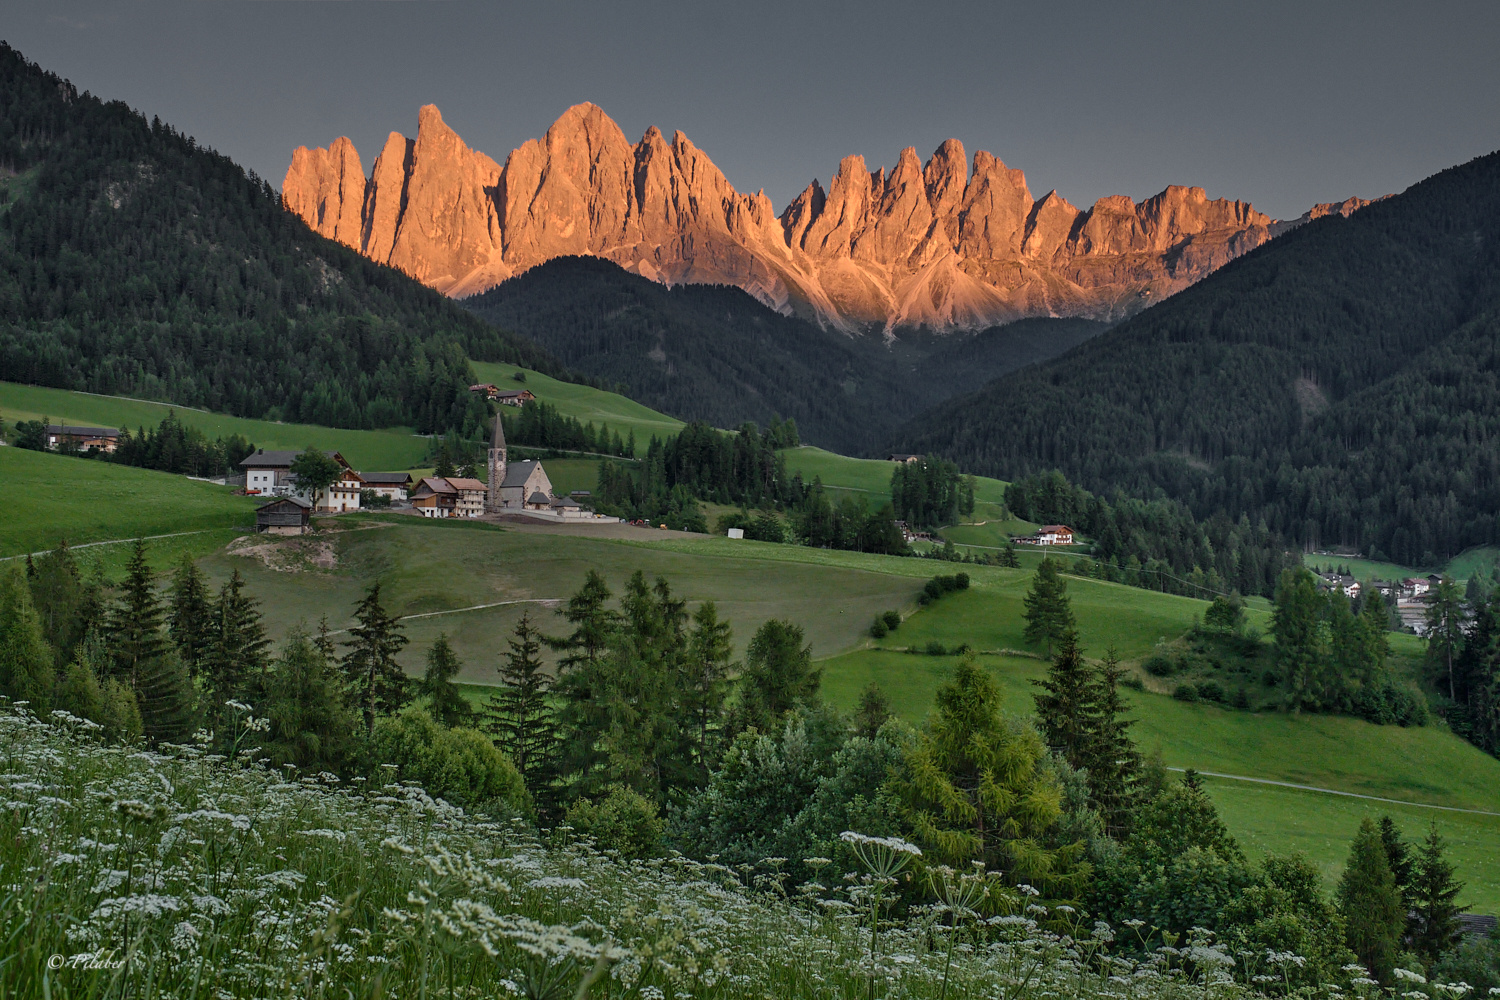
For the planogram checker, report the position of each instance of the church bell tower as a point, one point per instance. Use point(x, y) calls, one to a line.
point(497, 467)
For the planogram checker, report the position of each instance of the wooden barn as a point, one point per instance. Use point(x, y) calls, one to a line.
point(284, 516)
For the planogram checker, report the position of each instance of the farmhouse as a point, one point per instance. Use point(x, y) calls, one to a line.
point(471, 494)
point(513, 397)
point(434, 497)
point(392, 485)
point(269, 473)
point(83, 438)
point(1055, 534)
point(904, 458)
point(284, 516)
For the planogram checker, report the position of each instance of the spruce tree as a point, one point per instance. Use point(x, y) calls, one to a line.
point(1066, 712)
point(1049, 613)
point(778, 676)
point(1434, 924)
point(1375, 616)
point(59, 595)
point(1398, 857)
point(312, 725)
point(324, 641)
point(1445, 630)
point(28, 670)
point(1300, 644)
point(705, 685)
point(520, 715)
point(235, 661)
point(376, 679)
point(135, 622)
point(167, 699)
point(1114, 763)
point(1371, 905)
point(873, 711)
point(444, 701)
point(190, 620)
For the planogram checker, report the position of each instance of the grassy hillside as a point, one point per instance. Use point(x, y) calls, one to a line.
point(586, 403)
point(391, 449)
point(1482, 560)
point(45, 496)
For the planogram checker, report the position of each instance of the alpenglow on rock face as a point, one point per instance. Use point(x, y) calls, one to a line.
point(938, 244)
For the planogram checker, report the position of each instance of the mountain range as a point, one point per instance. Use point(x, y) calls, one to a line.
point(943, 245)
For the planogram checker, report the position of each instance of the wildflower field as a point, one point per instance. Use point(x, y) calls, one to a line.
point(129, 873)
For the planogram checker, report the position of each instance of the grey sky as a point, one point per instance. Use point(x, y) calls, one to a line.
point(1280, 103)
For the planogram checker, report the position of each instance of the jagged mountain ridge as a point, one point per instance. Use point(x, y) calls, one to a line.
point(931, 245)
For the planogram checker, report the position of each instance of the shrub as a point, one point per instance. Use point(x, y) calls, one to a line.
point(878, 628)
point(460, 765)
point(1185, 692)
point(1268, 678)
point(1241, 698)
point(1211, 691)
point(1134, 682)
point(892, 620)
point(940, 585)
point(622, 821)
point(1160, 666)
point(935, 648)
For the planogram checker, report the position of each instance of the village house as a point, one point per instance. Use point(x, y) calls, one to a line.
point(83, 438)
point(1342, 582)
point(391, 485)
point(434, 497)
point(1055, 534)
point(284, 516)
point(269, 473)
point(471, 496)
point(904, 458)
point(513, 397)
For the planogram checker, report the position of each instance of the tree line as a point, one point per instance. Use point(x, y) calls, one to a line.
point(1137, 539)
point(930, 492)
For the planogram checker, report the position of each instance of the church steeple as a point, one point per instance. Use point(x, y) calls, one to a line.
point(496, 466)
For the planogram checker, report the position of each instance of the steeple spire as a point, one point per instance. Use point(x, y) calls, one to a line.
point(496, 466)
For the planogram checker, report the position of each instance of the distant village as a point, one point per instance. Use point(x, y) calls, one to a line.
point(511, 488)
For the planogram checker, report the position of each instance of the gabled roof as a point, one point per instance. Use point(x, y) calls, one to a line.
point(459, 483)
point(435, 484)
point(516, 473)
point(539, 497)
point(93, 432)
point(304, 504)
point(564, 502)
point(386, 478)
point(1056, 528)
point(263, 459)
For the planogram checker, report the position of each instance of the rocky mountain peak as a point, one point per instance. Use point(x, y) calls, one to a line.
point(948, 244)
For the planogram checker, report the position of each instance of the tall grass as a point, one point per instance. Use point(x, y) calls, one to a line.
point(132, 873)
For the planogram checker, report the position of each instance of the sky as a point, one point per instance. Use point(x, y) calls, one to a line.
point(1283, 104)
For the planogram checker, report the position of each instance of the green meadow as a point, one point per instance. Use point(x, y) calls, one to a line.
point(392, 449)
point(1481, 560)
point(586, 403)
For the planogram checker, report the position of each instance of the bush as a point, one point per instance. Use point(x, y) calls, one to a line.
point(1241, 698)
point(1269, 678)
point(460, 765)
point(940, 585)
point(878, 628)
point(892, 620)
point(623, 821)
point(1211, 691)
point(935, 648)
point(1185, 692)
point(1160, 666)
point(1134, 682)
point(1387, 703)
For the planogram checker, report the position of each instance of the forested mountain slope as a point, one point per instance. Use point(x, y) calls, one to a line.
point(715, 353)
point(1341, 383)
point(133, 261)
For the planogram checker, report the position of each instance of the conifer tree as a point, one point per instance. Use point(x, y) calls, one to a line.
point(1375, 616)
point(1299, 641)
point(520, 715)
point(1445, 630)
point(1370, 903)
point(312, 725)
point(594, 626)
point(167, 699)
point(323, 639)
point(705, 685)
point(61, 599)
point(235, 660)
point(376, 679)
point(445, 702)
point(1049, 612)
point(1113, 763)
point(135, 622)
point(1066, 712)
point(28, 669)
point(974, 787)
point(1434, 923)
point(190, 621)
point(873, 711)
point(778, 676)
point(1398, 857)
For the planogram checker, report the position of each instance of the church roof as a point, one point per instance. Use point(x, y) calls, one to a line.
point(516, 473)
point(539, 497)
